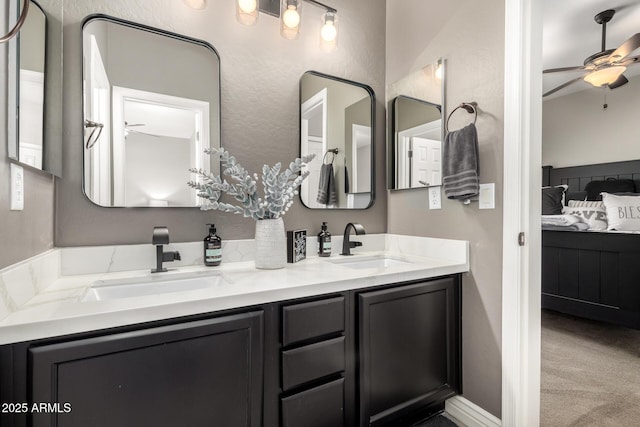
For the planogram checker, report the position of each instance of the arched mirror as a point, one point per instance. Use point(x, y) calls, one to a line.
point(337, 125)
point(151, 108)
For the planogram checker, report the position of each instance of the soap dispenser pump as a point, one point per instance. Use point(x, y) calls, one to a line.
point(324, 241)
point(212, 248)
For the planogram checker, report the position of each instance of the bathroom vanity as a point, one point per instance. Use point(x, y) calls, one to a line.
point(372, 339)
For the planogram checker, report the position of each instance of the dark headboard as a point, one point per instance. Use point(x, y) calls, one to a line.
point(577, 177)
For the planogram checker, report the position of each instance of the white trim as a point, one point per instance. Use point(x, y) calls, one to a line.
point(521, 265)
point(470, 414)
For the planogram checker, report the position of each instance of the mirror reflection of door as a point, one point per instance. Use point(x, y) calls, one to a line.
point(417, 139)
point(156, 140)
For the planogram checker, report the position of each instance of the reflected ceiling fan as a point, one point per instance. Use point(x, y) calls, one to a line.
point(128, 130)
point(605, 68)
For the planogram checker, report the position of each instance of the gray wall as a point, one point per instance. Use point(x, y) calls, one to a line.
point(260, 73)
point(576, 130)
point(472, 42)
point(26, 233)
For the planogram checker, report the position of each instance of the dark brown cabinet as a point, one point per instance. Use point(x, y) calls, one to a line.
point(387, 355)
point(200, 373)
point(409, 351)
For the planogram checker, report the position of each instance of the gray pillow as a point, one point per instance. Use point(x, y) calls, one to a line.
point(552, 200)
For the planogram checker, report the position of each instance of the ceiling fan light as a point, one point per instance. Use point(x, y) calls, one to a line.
point(604, 76)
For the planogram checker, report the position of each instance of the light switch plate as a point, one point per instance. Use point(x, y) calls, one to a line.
point(487, 199)
point(435, 201)
point(17, 188)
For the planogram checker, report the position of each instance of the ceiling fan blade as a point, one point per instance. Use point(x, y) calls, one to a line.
point(557, 70)
point(562, 86)
point(622, 80)
point(626, 48)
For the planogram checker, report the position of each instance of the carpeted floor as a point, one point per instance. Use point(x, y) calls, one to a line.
point(590, 373)
point(437, 421)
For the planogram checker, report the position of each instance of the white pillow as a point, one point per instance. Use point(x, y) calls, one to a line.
point(595, 216)
point(623, 212)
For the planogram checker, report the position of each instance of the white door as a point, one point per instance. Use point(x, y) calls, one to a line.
point(98, 109)
point(426, 167)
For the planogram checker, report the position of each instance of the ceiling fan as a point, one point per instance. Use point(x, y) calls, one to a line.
point(605, 68)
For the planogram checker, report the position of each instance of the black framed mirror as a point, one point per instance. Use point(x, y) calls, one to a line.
point(337, 124)
point(416, 128)
point(151, 106)
point(27, 77)
point(417, 133)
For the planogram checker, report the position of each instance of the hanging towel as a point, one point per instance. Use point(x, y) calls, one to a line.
point(346, 180)
point(460, 166)
point(327, 186)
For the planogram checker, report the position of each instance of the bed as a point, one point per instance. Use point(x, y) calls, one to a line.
point(592, 274)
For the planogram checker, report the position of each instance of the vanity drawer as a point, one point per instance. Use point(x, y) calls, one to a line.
point(311, 362)
point(321, 406)
point(312, 319)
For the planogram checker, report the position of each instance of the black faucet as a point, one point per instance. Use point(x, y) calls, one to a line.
point(346, 244)
point(161, 237)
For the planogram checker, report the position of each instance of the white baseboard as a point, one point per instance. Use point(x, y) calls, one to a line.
point(470, 414)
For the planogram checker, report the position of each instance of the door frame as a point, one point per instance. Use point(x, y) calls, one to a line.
point(521, 213)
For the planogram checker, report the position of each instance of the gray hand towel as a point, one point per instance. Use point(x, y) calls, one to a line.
point(327, 186)
point(460, 165)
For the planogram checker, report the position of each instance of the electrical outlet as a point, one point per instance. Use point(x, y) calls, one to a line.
point(17, 188)
point(435, 201)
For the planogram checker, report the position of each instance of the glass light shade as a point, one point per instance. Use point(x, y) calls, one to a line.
point(329, 32)
point(439, 71)
point(290, 19)
point(247, 11)
point(196, 4)
point(604, 76)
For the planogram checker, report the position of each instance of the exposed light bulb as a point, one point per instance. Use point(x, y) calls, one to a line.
point(329, 32)
point(291, 17)
point(439, 71)
point(247, 6)
point(605, 76)
point(196, 4)
point(247, 11)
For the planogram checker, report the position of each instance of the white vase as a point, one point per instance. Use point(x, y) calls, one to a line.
point(271, 244)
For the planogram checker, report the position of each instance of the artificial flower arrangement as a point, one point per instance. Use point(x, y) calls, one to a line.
point(280, 187)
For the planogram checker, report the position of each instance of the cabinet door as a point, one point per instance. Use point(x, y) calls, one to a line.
point(199, 373)
point(409, 350)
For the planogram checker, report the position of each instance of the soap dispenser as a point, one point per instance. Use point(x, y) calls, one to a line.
point(212, 248)
point(324, 241)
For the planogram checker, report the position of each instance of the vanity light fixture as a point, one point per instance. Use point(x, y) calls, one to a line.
point(290, 14)
point(605, 76)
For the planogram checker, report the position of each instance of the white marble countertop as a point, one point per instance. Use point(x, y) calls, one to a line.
point(59, 310)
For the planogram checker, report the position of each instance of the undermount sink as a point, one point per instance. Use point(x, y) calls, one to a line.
point(101, 290)
point(370, 262)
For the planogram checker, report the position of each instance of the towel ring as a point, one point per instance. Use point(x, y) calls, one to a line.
point(93, 136)
point(470, 107)
point(23, 17)
point(333, 152)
